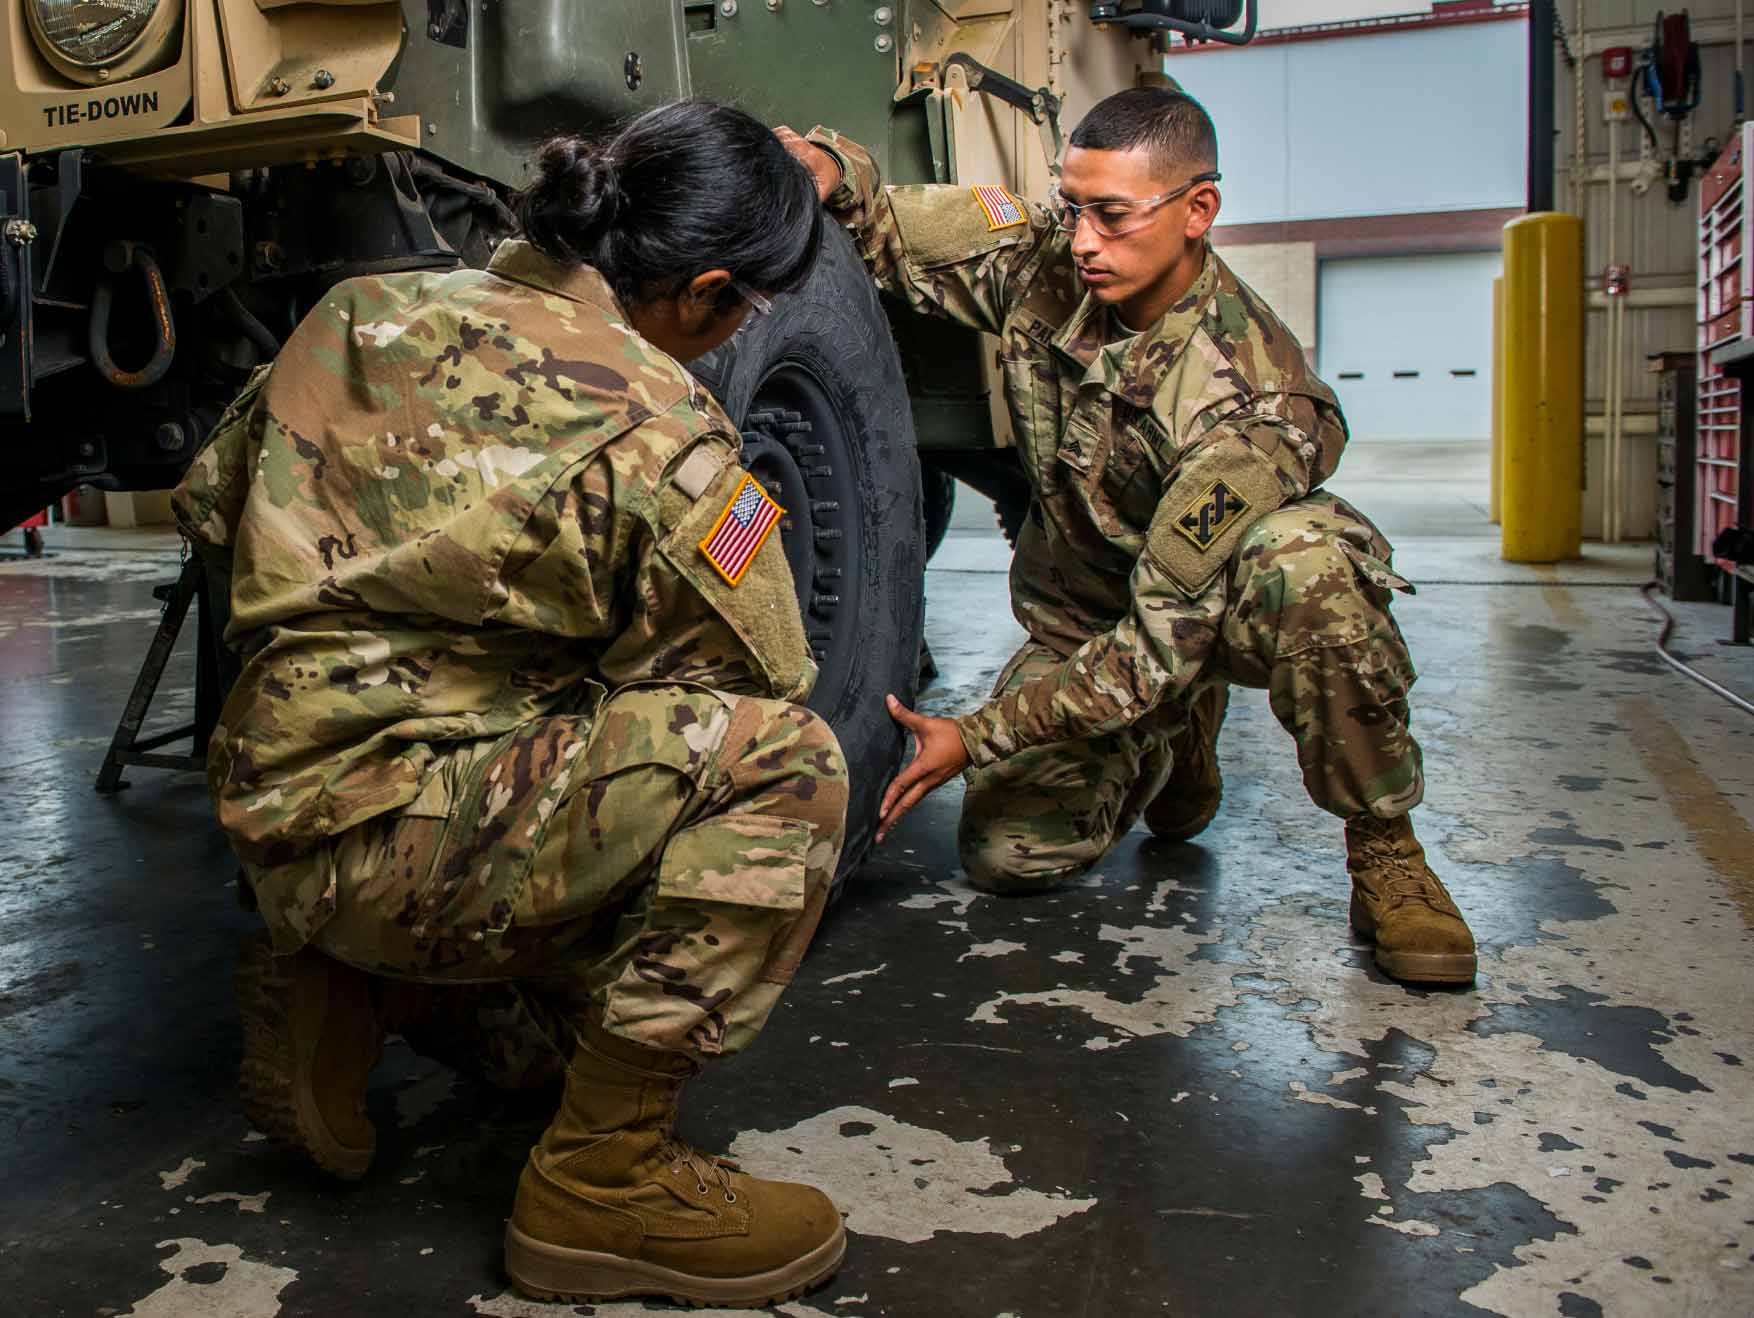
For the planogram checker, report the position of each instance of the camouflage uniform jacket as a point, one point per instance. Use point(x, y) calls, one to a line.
point(456, 503)
point(1149, 456)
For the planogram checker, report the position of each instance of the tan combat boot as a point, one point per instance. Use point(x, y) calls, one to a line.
point(1189, 800)
point(1397, 900)
point(612, 1204)
point(311, 1037)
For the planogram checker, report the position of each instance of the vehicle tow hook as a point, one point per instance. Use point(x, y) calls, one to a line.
point(119, 257)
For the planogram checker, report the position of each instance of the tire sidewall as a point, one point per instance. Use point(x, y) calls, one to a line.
point(834, 329)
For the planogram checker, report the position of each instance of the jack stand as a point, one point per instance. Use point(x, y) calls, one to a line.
point(128, 746)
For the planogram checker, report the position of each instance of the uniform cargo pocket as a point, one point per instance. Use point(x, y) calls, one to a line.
point(1130, 487)
point(742, 860)
point(1106, 465)
point(500, 804)
point(708, 964)
point(1033, 401)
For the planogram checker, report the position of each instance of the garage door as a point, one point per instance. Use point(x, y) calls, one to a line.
point(1407, 343)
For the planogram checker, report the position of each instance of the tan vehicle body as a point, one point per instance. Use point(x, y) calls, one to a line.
point(216, 104)
point(251, 82)
point(168, 217)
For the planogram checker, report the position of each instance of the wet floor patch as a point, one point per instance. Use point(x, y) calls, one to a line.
point(1179, 1085)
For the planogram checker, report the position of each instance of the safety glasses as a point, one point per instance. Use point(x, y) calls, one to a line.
point(1114, 217)
point(759, 305)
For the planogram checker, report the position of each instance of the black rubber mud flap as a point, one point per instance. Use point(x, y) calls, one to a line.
point(817, 389)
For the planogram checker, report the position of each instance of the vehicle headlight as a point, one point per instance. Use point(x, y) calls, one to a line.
point(82, 37)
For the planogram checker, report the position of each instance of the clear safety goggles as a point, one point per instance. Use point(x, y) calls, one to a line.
point(759, 305)
point(1114, 217)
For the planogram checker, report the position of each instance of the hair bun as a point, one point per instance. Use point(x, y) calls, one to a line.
point(596, 188)
point(574, 197)
point(683, 189)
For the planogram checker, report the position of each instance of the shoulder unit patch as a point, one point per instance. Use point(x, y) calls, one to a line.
point(1210, 515)
point(1192, 541)
point(741, 529)
point(1003, 211)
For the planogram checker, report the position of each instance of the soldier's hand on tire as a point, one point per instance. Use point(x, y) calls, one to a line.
point(824, 168)
point(939, 755)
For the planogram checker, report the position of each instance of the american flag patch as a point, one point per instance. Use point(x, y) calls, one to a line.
point(1003, 210)
point(732, 543)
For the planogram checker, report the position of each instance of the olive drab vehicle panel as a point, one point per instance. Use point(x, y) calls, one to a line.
point(181, 181)
point(103, 106)
point(487, 80)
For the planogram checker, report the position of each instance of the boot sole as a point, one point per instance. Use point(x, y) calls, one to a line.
point(554, 1272)
point(274, 1079)
point(1415, 967)
point(1427, 967)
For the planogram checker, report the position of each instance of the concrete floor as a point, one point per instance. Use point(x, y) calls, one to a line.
point(1178, 1087)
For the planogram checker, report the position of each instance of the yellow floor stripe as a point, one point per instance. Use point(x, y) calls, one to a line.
point(1559, 600)
point(1720, 835)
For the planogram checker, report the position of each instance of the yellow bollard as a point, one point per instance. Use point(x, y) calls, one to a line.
point(1541, 497)
point(1495, 494)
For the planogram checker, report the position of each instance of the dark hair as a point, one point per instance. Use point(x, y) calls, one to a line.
point(681, 189)
point(1175, 128)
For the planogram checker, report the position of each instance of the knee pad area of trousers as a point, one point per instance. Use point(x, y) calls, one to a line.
point(1005, 870)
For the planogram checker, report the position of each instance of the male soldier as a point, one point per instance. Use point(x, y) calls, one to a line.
point(1175, 441)
point(513, 749)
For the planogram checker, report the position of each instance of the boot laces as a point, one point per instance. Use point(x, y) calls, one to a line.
point(1406, 884)
point(1402, 880)
point(709, 1169)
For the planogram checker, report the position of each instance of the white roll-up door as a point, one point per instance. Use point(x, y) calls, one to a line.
point(1406, 341)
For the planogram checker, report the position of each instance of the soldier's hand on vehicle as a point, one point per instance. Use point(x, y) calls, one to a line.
point(824, 168)
point(939, 756)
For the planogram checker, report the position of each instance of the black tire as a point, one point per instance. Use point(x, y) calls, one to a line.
point(938, 493)
point(817, 389)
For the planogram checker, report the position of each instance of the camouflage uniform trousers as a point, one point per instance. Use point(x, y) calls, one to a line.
point(1308, 619)
point(660, 867)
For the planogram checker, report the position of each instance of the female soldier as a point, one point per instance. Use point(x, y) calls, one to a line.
point(515, 704)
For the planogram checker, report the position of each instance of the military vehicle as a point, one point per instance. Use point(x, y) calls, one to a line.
point(181, 180)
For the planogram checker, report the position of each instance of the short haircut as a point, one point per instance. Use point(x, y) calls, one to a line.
point(1174, 128)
